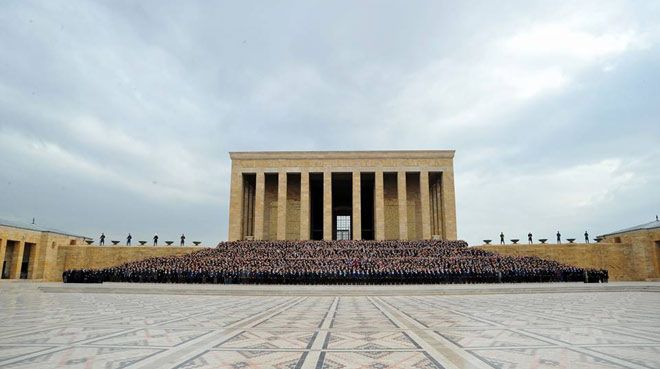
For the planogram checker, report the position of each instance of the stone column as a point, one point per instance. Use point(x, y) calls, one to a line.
point(357, 206)
point(17, 260)
point(304, 205)
point(327, 205)
point(281, 205)
point(437, 227)
point(3, 250)
point(379, 204)
point(448, 205)
point(426, 204)
point(259, 192)
point(236, 206)
point(403, 205)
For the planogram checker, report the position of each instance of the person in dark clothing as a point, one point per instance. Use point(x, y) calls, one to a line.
point(128, 239)
point(529, 238)
point(558, 237)
point(156, 239)
point(102, 240)
point(183, 239)
point(586, 237)
point(501, 238)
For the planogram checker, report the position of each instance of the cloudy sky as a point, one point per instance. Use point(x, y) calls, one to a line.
point(117, 116)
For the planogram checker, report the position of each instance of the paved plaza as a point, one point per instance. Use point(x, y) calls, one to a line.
point(154, 326)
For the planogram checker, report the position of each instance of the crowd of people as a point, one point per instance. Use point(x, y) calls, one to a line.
point(339, 262)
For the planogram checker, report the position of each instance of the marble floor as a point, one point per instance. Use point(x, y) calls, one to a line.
point(600, 329)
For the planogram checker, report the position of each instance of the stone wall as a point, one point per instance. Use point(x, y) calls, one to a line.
point(293, 207)
point(93, 257)
point(624, 261)
point(270, 207)
point(391, 206)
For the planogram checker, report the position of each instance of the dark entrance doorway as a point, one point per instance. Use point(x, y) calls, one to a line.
point(9, 259)
point(316, 206)
point(367, 182)
point(342, 205)
point(25, 263)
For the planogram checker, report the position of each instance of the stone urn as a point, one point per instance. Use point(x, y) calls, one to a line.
point(598, 239)
point(89, 242)
point(142, 243)
point(543, 240)
point(487, 242)
point(115, 242)
point(197, 243)
point(169, 243)
point(515, 240)
point(570, 240)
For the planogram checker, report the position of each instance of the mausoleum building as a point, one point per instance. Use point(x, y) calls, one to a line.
point(336, 195)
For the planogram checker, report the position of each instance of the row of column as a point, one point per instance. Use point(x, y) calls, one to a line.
point(379, 205)
point(16, 260)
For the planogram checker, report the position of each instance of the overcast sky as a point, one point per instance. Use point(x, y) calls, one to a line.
point(118, 116)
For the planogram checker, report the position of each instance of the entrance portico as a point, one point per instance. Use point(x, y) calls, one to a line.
point(330, 195)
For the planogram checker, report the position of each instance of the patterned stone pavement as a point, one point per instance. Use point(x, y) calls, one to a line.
point(519, 330)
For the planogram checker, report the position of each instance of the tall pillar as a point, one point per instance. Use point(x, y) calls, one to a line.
point(327, 205)
point(17, 260)
point(448, 205)
point(244, 207)
point(304, 205)
point(236, 206)
point(426, 204)
point(356, 217)
point(437, 227)
point(403, 204)
point(379, 204)
point(3, 250)
point(281, 205)
point(260, 189)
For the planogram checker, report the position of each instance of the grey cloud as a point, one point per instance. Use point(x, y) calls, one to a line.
point(118, 116)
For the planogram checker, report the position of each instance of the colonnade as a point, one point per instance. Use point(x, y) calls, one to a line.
point(435, 198)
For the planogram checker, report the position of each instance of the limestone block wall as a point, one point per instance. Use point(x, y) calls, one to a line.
point(624, 261)
point(270, 208)
point(391, 206)
point(293, 207)
point(93, 257)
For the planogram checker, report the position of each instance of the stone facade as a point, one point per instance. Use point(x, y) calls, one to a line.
point(29, 253)
point(302, 195)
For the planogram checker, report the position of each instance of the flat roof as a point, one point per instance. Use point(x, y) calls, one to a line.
point(35, 227)
point(650, 225)
point(410, 154)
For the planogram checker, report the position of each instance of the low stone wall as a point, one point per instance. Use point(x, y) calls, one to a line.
point(624, 261)
point(93, 257)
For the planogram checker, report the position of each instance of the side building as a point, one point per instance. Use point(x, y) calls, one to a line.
point(28, 250)
point(340, 195)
